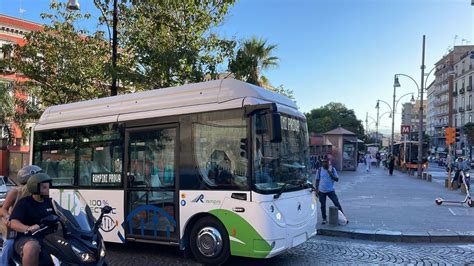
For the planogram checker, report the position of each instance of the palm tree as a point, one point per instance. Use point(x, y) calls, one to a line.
point(254, 56)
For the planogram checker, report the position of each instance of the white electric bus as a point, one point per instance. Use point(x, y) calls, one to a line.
point(218, 167)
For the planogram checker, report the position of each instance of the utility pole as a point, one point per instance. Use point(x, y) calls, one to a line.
point(420, 127)
point(450, 64)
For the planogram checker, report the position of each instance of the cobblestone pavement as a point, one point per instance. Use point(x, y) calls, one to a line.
point(318, 251)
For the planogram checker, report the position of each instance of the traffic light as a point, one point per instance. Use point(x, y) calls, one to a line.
point(458, 135)
point(450, 135)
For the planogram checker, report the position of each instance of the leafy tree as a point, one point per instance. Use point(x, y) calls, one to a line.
point(15, 108)
point(63, 63)
point(172, 42)
point(253, 56)
point(331, 116)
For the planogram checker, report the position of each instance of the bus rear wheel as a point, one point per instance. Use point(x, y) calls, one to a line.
point(209, 241)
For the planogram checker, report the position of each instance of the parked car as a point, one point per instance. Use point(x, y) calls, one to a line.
point(6, 184)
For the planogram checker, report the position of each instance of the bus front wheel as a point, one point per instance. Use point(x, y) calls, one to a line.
point(209, 241)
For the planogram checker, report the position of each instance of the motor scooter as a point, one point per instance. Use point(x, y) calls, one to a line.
point(466, 178)
point(70, 236)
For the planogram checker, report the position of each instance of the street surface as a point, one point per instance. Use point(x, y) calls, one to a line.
point(372, 200)
point(317, 251)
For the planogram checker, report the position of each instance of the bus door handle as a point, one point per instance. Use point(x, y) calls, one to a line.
point(238, 209)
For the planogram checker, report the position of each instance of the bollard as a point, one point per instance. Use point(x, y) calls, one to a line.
point(446, 182)
point(333, 215)
point(429, 177)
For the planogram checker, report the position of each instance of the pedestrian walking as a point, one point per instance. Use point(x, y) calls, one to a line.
point(377, 156)
point(324, 184)
point(391, 164)
point(368, 160)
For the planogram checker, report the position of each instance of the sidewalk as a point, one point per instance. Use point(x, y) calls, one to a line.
point(399, 208)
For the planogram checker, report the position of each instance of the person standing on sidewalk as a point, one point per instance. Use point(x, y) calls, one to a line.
point(324, 184)
point(368, 159)
point(391, 164)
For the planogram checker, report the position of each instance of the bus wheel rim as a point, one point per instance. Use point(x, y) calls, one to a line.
point(209, 241)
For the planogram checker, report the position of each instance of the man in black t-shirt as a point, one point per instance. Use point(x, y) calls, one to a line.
point(27, 215)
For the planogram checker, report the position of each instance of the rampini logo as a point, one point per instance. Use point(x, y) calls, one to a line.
point(199, 198)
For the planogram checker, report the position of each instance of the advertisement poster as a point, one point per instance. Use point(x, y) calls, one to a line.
point(96, 200)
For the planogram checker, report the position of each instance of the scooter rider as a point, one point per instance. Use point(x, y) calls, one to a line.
point(27, 215)
point(13, 196)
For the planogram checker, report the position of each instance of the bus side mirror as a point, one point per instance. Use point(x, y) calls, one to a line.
point(274, 126)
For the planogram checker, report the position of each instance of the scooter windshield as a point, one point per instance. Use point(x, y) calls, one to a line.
point(73, 207)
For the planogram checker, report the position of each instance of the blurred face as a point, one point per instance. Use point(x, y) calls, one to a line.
point(44, 189)
point(326, 164)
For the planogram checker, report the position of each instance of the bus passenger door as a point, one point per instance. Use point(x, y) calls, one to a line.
point(152, 154)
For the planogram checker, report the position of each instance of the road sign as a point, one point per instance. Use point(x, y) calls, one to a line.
point(405, 129)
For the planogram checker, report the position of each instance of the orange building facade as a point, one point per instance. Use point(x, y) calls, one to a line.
point(15, 156)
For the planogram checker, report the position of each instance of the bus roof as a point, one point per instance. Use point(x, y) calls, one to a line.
point(190, 98)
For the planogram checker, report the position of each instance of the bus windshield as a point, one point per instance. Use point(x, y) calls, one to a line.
point(282, 165)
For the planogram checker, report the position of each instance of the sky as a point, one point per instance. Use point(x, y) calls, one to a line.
point(337, 50)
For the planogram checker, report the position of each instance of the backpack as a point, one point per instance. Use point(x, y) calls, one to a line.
point(319, 172)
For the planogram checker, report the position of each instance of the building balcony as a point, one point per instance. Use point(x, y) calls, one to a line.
point(440, 124)
point(461, 91)
point(468, 108)
point(469, 88)
point(440, 102)
point(461, 109)
point(441, 114)
point(455, 93)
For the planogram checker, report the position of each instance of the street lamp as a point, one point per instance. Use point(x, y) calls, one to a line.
point(74, 5)
point(393, 108)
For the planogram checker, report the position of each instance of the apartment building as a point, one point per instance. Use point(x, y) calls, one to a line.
point(12, 31)
point(411, 116)
point(463, 74)
point(442, 97)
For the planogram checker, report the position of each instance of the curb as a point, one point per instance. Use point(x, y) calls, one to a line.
point(398, 236)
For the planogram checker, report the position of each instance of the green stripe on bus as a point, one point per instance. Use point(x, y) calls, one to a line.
point(245, 240)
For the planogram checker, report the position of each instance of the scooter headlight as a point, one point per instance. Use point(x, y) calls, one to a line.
point(84, 256)
point(102, 249)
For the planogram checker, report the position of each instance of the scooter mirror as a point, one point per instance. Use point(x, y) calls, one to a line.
point(106, 210)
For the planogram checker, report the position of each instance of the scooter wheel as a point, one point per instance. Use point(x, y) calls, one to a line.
point(470, 203)
point(439, 201)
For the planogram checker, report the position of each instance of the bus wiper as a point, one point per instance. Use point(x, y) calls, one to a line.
point(282, 189)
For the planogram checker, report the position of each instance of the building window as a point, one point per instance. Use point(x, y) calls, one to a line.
point(470, 118)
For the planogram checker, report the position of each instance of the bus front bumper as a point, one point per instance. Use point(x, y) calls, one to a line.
point(296, 236)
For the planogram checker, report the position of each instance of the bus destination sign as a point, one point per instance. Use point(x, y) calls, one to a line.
point(106, 178)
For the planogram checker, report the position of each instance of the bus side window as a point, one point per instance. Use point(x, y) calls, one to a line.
point(217, 151)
